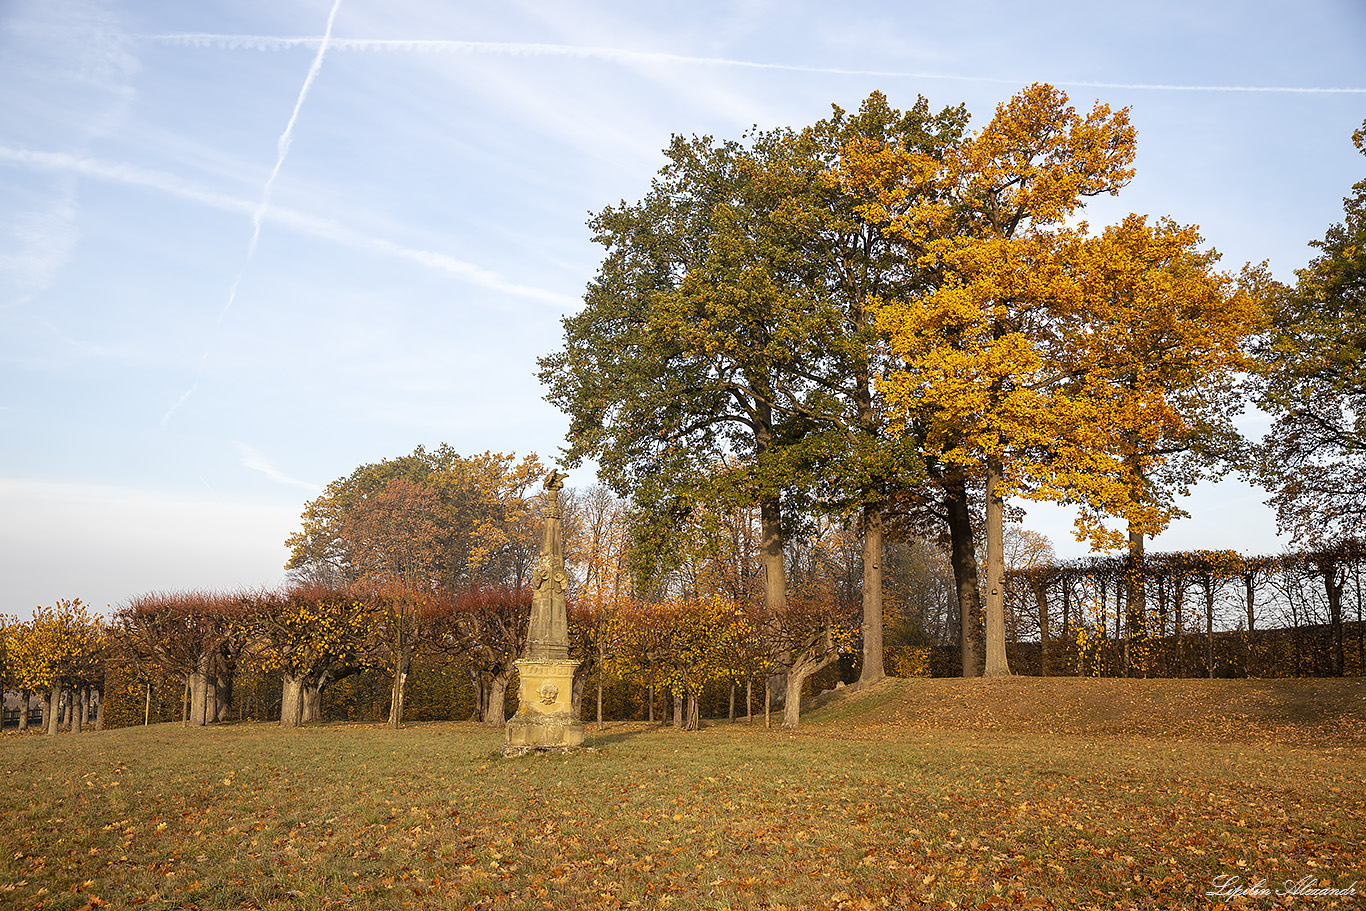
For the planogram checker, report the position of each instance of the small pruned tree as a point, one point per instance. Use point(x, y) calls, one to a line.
point(807, 637)
point(1211, 571)
point(643, 646)
point(197, 636)
point(488, 625)
point(313, 636)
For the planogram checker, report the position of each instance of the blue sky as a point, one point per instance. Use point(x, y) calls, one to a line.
point(233, 268)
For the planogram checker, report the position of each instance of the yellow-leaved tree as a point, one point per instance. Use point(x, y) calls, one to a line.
point(1042, 360)
point(61, 649)
point(313, 636)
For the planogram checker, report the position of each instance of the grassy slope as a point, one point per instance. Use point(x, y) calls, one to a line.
point(913, 794)
point(1280, 709)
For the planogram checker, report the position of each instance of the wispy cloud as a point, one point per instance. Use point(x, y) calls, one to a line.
point(43, 241)
point(620, 55)
point(80, 46)
point(312, 225)
point(253, 459)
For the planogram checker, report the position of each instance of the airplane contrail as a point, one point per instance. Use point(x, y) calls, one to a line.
point(281, 151)
point(619, 55)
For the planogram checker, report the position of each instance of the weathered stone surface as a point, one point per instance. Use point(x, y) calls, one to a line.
point(548, 636)
point(545, 716)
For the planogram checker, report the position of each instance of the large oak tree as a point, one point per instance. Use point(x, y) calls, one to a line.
point(980, 382)
point(727, 352)
point(1053, 364)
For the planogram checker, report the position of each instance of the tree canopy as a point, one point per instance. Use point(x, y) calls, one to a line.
point(727, 355)
point(830, 318)
point(432, 519)
point(1045, 361)
point(1313, 379)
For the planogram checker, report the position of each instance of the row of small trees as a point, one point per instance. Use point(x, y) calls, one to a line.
point(1203, 612)
point(57, 657)
point(1131, 617)
point(311, 638)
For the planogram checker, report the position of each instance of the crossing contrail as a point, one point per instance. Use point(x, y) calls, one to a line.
point(281, 152)
point(619, 55)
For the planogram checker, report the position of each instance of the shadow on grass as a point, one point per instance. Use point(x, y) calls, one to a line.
point(606, 739)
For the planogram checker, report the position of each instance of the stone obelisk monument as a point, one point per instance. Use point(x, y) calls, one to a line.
point(545, 718)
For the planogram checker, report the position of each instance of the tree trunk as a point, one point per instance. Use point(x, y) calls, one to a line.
point(678, 712)
point(1066, 611)
point(796, 676)
point(771, 555)
point(1041, 599)
point(1135, 600)
point(223, 692)
point(1178, 603)
point(53, 711)
point(1361, 630)
point(69, 700)
point(1104, 617)
point(477, 690)
point(1333, 583)
point(872, 596)
point(99, 711)
point(749, 701)
point(310, 703)
point(770, 521)
point(147, 706)
point(730, 716)
point(1161, 637)
point(80, 710)
point(25, 696)
point(495, 716)
point(996, 662)
point(691, 713)
point(576, 691)
point(1209, 627)
point(963, 557)
point(399, 690)
point(199, 693)
point(650, 709)
point(211, 699)
point(291, 701)
point(1122, 628)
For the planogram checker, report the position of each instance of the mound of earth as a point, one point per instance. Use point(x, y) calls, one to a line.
point(1312, 711)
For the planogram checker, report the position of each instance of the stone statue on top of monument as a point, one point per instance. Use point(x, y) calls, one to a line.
point(545, 718)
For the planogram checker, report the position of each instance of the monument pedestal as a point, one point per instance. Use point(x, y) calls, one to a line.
point(545, 718)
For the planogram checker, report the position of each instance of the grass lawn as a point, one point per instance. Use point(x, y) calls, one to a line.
point(1022, 792)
